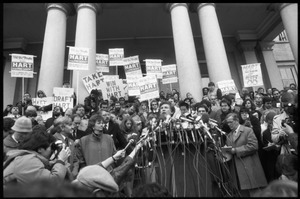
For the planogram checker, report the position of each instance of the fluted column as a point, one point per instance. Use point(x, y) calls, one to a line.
point(186, 58)
point(271, 65)
point(85, 38)
point(53, 55)
point(289, 16)
point(215, 54)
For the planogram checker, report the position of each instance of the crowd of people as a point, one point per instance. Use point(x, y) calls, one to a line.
point(93, 148)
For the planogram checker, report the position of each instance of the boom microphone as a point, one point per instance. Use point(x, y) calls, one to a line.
point(182, 118)
point(129, 143)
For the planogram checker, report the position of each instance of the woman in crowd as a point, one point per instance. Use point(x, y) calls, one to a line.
point(130, 132)
point(252, 109)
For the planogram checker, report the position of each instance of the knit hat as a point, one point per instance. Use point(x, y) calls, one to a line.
point(96, 177)
point(22, 124)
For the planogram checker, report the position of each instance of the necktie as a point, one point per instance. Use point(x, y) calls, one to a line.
point(105, 128)
point(74, 134)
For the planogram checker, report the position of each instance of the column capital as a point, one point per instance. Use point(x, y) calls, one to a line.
point(94, 6)
point(195, 7)
point(283, 5)
point(266, 45)
point(68, 8)
point(170, 6)
point(247, 45)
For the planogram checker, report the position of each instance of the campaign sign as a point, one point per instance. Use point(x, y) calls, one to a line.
point(21, 65)
point(115, 56)
point(102, 63)
point(113, 88)
point(132, 66)
point(43, 102)
point(153, 67)
point(169, 74)
point(78, 58)
point(252, 75)
point(63, 97)
point(133, 85)
point(227, 86)
point(148, 87)
point(93, 81)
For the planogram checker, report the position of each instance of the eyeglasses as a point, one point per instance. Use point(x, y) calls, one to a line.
point(154, 104)
point(201, 111)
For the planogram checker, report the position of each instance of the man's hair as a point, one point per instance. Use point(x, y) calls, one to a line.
point(226, 102)
point(103, 103)
point(63, 120)
point(233, 115)
point(211, 84)
point(30, 113)
point(172, 108)
point(183, 103)
point(39, 138)
point(202, 106)
point(136, 107)
point(93, 119)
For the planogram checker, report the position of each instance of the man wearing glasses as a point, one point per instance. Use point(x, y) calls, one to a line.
point(245, 166)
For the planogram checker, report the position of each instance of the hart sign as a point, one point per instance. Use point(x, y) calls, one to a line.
point(93, 81)
point(169, 74)
point(148, 87)
point(113, 88)
point(102, 63)
point(78, 58)
point(153, 67)
point(63, 97)
point(21, 65)
point(115, 56)
point(132, 66)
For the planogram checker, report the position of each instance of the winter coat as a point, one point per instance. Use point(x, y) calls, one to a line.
point(92, 150)
point(28, 166)
point(245, 163)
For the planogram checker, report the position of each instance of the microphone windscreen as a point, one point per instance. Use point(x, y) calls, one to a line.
point(205, 118)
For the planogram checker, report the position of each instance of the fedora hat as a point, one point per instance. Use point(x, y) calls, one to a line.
point(22, 124)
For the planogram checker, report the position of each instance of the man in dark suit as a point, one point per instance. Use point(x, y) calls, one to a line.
point(113, 130)
point(77, 133)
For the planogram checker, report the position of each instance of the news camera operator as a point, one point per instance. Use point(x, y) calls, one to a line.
point(31, 161)
point(285, 124)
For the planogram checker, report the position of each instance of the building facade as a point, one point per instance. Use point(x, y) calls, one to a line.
point(207, 41)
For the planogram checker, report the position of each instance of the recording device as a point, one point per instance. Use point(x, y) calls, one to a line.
point(185, 119)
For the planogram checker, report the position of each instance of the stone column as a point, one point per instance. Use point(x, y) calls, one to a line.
point(271, 65)
point(85, 38)
point(216, 58)
point(186, 57)
point(53, 55)
point(289, 15)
